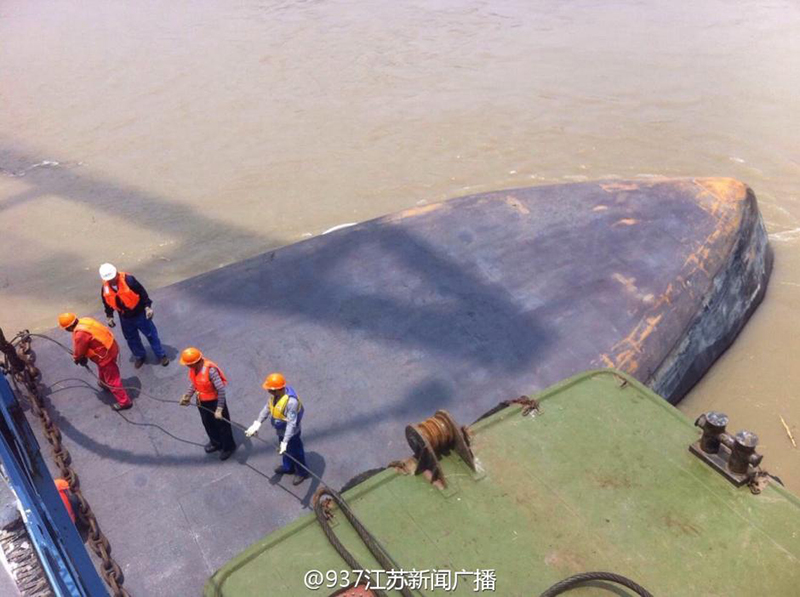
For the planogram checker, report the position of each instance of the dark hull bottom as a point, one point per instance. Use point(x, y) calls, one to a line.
point(457, 305)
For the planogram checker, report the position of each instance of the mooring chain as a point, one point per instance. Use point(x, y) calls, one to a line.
point(20, 361)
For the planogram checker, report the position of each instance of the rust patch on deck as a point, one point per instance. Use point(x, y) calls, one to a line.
point(628, 349)
point(609, 481)
point(415, 211)
point(681, 526)
point(515, 203)
point(628, 283)
point(719, 195)
point(613, 187)
point(565, 560)
point(721, 198)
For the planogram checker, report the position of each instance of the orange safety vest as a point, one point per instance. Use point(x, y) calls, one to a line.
point(99, 332)
point(203, 384)
point(128, 297)
point(63, 489)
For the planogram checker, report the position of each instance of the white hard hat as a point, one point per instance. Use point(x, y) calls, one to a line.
point(108, 272)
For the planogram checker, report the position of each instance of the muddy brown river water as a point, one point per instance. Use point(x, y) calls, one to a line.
point(173, 138)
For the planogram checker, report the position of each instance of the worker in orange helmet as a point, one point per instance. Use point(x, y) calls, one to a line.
point(208, 382)
point(93, 341)
point(285, 411)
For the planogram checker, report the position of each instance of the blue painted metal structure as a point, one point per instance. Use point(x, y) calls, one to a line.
point(55, 538)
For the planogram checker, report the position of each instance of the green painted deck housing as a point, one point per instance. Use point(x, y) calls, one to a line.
point(602, 479)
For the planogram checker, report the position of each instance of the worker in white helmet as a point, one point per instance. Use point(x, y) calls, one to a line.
point(123, 293)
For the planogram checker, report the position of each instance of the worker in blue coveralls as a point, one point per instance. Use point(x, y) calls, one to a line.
point(285, 411)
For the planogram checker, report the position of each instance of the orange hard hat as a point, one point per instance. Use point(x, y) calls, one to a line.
point(190, 356)
point(67, 319)
point(274, 381)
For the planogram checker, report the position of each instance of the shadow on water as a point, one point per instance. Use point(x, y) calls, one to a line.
point(388, 282)
point(385, 282)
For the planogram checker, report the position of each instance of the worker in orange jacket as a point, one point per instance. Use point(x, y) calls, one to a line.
point(94, 342)
point(208, 381)
point(123, 293)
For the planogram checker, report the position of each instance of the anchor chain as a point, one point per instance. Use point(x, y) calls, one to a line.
point(20, 362)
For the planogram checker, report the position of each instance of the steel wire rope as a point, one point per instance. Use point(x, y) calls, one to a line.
point(375, 547)
point(578, 579)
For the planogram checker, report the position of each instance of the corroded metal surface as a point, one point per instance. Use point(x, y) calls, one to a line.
point(455, 306)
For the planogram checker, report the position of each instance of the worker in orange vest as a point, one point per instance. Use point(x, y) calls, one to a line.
point(93, 341)
point(123, 293)
point(208, 382)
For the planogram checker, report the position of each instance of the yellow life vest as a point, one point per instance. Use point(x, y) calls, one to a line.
point(278, 409)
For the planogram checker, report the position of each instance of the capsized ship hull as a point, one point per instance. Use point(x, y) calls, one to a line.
point(455, 305)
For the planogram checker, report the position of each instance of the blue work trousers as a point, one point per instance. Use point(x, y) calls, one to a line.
point(131, 326)
point(294, 449)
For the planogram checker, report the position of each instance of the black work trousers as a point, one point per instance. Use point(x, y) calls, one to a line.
point(219, 431)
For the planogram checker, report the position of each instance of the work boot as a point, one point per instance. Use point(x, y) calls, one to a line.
point(210, 447)
point(138, 363)
point(299, 479)
point(119, 407)
point(164, 361)
point(280, 470)
point(225, 454)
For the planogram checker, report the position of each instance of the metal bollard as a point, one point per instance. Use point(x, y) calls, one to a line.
point(713, 425)
point(743, 452)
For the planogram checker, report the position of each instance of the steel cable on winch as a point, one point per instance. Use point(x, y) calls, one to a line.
point(373, 545)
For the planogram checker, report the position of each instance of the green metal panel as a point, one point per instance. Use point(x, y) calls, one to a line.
point(602, 479)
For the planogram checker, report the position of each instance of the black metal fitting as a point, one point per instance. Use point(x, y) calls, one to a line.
point(732, 456)
point(743, 452)
point(713, 425)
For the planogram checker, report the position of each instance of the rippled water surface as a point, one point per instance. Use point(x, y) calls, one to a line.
point(172, 138)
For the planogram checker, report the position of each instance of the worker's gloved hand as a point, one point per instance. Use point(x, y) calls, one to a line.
point(218, 413)
point(83, 361)
point(110, 321)
point(253, 429)
point(148, 312)
point(185, 399)
point(282, 447)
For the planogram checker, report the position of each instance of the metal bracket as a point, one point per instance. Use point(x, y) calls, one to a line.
point(734, 457)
